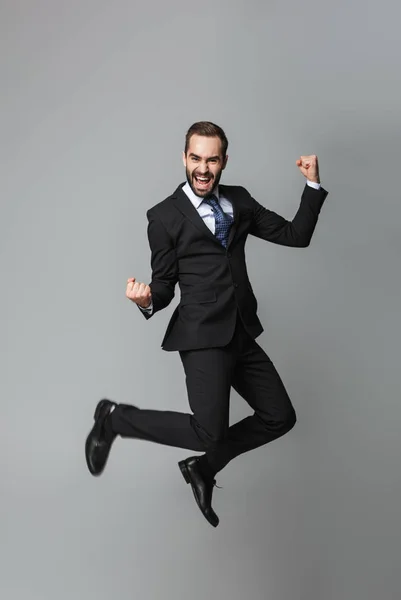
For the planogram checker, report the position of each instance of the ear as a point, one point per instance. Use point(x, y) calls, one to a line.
point(184, 159)
point(225, 162)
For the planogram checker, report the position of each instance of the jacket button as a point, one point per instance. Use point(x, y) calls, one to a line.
point(235, 285)
point(229, 254)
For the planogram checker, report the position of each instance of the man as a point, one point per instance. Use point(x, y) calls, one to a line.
point(197, 237)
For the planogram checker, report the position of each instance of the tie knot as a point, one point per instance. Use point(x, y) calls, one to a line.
point(211, 200)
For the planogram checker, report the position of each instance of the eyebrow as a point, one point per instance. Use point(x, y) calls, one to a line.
point(210, 157)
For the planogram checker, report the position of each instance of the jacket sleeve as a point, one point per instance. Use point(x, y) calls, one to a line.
point(270, 226)
point(163, 264)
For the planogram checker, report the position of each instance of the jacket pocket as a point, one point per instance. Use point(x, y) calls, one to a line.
point(201, 297)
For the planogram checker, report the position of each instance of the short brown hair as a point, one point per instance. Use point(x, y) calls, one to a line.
point(207, 129)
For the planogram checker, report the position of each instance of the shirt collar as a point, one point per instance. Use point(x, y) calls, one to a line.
point(196, 200)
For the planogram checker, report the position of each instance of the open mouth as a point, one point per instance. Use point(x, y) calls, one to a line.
point(202, 181)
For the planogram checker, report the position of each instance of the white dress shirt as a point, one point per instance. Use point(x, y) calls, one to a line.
point(206, 212)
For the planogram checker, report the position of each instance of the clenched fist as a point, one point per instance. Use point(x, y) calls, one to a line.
point(138, 292)
point(309, 166)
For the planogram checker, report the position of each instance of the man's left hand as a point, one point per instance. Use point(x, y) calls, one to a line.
point(309, 166)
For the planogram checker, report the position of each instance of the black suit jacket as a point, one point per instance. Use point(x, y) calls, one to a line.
point(213, 280)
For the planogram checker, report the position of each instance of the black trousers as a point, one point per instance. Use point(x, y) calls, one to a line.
point(210, 373)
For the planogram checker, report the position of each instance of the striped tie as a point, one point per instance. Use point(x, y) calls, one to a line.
point(223, 221)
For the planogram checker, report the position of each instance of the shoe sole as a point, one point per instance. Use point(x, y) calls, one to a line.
point(184, 471)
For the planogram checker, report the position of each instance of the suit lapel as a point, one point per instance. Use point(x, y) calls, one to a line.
point(184, 205)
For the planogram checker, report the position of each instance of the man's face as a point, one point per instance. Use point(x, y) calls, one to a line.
point(204, 164)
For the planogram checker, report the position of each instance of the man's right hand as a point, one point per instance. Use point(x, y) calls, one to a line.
point(139, 293)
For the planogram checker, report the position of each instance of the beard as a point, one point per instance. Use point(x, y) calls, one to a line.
point(203, 193)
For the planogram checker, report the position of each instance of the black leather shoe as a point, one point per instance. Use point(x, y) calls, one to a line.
point(201, 487)
point(97, 446)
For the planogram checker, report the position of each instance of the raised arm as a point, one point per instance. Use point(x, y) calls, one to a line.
point(297, 233)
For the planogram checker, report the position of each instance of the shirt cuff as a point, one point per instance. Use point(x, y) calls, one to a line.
point(313, 184)
point(148, 310)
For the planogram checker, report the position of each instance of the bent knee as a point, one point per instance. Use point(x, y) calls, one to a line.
point(281, 423)
point(290, 420)
point(286, 422)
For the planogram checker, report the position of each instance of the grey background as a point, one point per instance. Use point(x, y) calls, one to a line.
point(95, 101)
